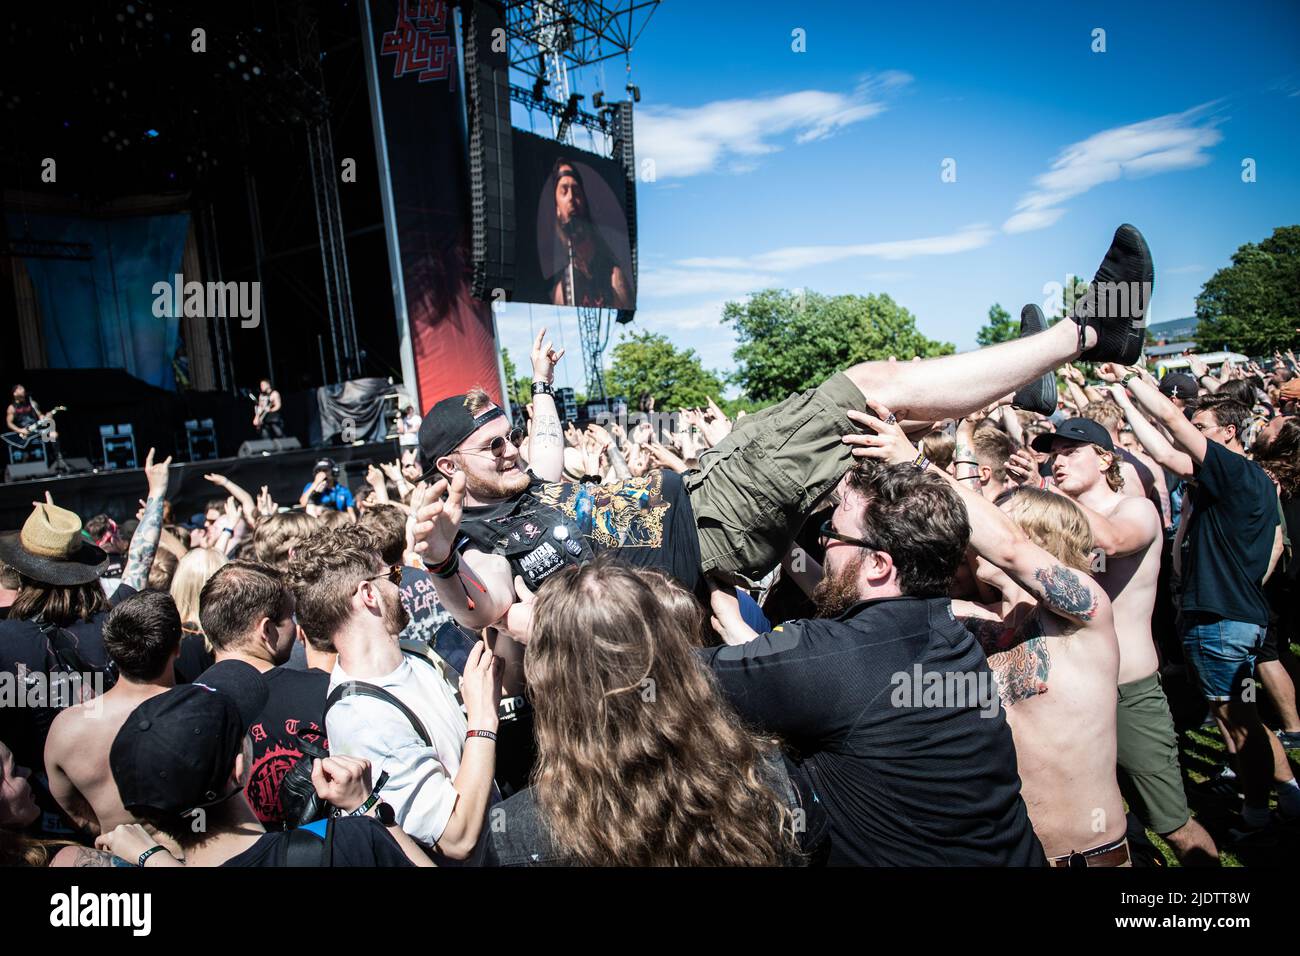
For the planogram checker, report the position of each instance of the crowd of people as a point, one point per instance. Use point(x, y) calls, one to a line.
point(924, 613)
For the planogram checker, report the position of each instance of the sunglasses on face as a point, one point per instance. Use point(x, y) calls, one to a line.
point(828, 532)
point(497, 445)
point(393, 574)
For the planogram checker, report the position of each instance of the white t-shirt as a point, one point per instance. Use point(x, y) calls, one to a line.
point(419, 787)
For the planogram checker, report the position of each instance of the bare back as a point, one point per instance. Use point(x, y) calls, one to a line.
point(76, 755)
point(1058, 687)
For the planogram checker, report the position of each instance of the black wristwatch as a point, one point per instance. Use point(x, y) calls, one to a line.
point(385, 814)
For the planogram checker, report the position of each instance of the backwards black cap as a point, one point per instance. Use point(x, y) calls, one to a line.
point(448, 424)
point(1075, 429)
point(175, 752)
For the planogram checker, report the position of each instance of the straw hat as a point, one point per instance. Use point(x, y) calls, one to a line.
point(51, 548)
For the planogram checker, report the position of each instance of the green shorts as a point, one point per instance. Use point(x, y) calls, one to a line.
point(1149, 777)
point(753, 492)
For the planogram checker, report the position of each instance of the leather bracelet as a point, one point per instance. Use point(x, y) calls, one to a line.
point(543, 388)
point(1128, 378)
point(481, 733)
point(965, 461)
point(157, 848)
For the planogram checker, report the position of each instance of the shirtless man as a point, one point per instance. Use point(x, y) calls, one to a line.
point(143, 636)
point(1051, 645)
point(1127, 532)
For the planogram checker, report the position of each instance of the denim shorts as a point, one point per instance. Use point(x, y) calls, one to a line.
point(1222, 653)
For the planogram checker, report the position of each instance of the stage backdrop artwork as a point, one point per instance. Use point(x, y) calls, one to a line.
point(447, 336)
point(99, 313)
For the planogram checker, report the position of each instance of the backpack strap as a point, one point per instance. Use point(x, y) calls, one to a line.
point(353, 688)
point(306, 846)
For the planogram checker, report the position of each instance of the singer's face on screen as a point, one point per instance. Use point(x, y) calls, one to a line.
point(570, 200)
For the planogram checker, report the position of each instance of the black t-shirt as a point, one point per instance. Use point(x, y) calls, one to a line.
point(1230, 538)
point(24, 652)
point(194, 658)
point(647, 520)
point(295, 707)
point(358, 841)
point(421, 603)
point(902, 783)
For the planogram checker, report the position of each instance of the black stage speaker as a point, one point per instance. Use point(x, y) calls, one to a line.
point(491, 153)
point(267, 446)
point(624, 152)
point(27, 470)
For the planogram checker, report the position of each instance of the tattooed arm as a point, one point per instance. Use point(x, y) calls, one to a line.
point(965, 466)
point(144, 543)
point(1060, 589)
point(545, 439)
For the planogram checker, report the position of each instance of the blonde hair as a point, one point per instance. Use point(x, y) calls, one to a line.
point(477, 399)
point(192, 572)
point(1114, 474)
point(1054, 523)
point(276, 535)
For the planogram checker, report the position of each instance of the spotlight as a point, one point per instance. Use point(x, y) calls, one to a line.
point(151, 134)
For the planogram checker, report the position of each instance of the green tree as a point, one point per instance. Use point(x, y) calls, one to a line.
point(789, 341)
point(1253, 305)
point(519, 386)
point(999, 328)
point(648, 365)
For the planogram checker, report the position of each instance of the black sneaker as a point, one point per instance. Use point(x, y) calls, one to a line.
point(1117, 300)
point(1040, 395)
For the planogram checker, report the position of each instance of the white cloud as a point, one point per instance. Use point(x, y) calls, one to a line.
point(687, 141)
point(1160, 145)
point(701, 282)
point(800, 257)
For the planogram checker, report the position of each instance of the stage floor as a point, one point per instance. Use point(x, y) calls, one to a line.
point(118, 493)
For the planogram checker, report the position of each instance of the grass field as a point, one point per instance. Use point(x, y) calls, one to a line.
point(1216, 806)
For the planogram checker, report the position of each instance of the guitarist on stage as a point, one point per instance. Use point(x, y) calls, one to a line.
point(267, 418)
point(22, 414)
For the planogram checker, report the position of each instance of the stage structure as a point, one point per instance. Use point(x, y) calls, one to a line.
point(548, 40)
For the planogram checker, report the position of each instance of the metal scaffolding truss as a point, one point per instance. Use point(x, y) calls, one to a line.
point(583, 32)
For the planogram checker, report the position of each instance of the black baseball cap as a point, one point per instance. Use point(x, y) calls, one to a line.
point(175, 752)
point(448, 424)
point(1075, 429)
point(1179, 385)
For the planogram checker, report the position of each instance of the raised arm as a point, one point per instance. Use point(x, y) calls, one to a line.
point(1065, 591)
point(1130, 528)
point(1151, 400)
point(1150, 437)
point(144, 543)
point(475, 588)
point(243, 497)
point(546, 441)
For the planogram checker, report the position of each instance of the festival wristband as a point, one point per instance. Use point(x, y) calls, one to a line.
point(157, 848)
point(371, 800)
point(920, 462)
point(448, 568)
point(480, 733)
point(1129, 378)
point(543, 388)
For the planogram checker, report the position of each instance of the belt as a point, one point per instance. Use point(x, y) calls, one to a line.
point(1111, 854)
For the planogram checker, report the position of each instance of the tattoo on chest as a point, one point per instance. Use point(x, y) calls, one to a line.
point(1018, 656)
point(1064, 591)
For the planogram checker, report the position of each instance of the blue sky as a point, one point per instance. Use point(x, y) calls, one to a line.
point(822, 169)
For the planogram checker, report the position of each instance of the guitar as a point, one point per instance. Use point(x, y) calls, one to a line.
point(37, 431)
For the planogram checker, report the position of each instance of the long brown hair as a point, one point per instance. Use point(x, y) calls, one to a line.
point(640, 762)
point(58, 604)
point(1281, 457)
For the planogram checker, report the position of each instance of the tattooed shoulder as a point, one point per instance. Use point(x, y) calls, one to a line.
point(1022, 671)
point(1065, 592)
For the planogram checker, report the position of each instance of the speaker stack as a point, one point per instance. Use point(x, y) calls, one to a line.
point(491, 154)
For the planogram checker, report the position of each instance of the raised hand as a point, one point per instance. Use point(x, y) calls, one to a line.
point(571, 436)
point(480, 688)
point(1110, 372)
point(545, 358)
point(1022, 468)
point(266, 505)
point(665, 458)
point(438, 519)
point(156, 474)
